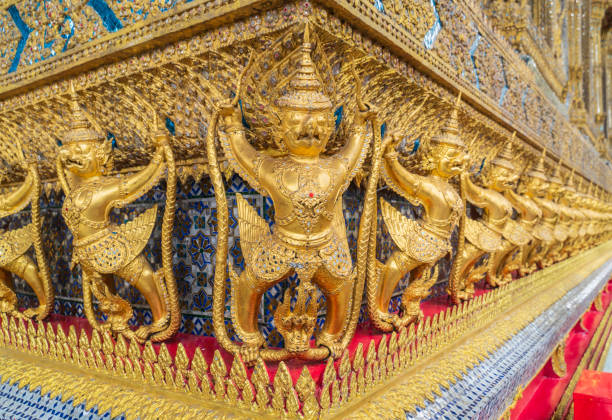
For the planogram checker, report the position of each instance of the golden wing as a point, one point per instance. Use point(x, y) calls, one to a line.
point(15, 243)
point(252, 227)
point(481, 236)
point(396, 224)
point(136, 233)
point(516, 233)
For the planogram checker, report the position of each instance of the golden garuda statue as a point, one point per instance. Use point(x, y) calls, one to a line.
point(309, 234)
point(550, 215)
point(574, 221)
point(497, 234)
point(534, 215)
point(592, 225)
point(501, 179)
point(420, 243)
point(103, 249)
point(560, 231)
point(15, 243)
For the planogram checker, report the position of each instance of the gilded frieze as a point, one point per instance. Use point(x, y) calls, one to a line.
point(462, 49)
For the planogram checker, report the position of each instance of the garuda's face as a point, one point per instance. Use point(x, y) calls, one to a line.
point(306, 133)
point(81, 158)
point(450, 159)
point(502, 178)
point(555, 188)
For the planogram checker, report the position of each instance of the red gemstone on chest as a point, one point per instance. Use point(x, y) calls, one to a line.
point(311, 195)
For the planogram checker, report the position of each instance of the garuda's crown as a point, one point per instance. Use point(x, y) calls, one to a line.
point(450, 132)
point(556, 177)
point(305, 94)
point(504, 157)
point(81, 128)
point(539, 170)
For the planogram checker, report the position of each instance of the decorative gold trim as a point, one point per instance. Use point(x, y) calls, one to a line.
point(198, 16)
point(126, 377)
point(598, 302)
point(557, 359)
point(587, 361)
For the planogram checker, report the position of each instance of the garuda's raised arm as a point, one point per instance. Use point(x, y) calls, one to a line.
point(133, 186)
point(407, 181)
point(352, 152)
point(243, 157)
point(473, 193)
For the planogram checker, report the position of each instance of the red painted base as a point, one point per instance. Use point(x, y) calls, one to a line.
point(593, 396)
point(208, 345)
point(541, 397)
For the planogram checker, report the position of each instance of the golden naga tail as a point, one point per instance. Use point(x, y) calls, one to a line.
point(41, 259)
point(366, 242)
point(222, 238)
point(216, 178)
point(453, 279)
point(166, 245)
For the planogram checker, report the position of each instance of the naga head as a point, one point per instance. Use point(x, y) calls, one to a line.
point(448, 153)
point(84, 151)
point(502, 174)
point(305, 112)
point(535, 181)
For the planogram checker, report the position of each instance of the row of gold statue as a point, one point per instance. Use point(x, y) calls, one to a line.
point(308, 237)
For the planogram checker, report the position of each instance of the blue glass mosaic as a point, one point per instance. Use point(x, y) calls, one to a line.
point(194, 251)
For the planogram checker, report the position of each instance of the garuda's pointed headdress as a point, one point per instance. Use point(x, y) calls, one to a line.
point(556, 176)
point(504, 157)
point(450, 132)
point(539, 170)
point(81, 128)
point(305, 87)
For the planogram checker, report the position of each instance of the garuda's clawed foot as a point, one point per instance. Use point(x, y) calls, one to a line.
point(144, 332)
point(34, 313)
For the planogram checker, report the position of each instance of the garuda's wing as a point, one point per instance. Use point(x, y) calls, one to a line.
point(15, 243)
point(411, 238)
point(481, 236)
point(136, 233)
point(253, 228)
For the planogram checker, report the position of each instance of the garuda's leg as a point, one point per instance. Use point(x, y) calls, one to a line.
point(8, 299)
point(149, 283)
point(394, 270)
point(117, 310)
point(24, 267)
point(337, 292)
point(551, 253)
point(247, 291)
point(525, 267)
point(535, 255)
point(421, 281)
point(512, 261)
point(497, 263)
point(466, 274)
